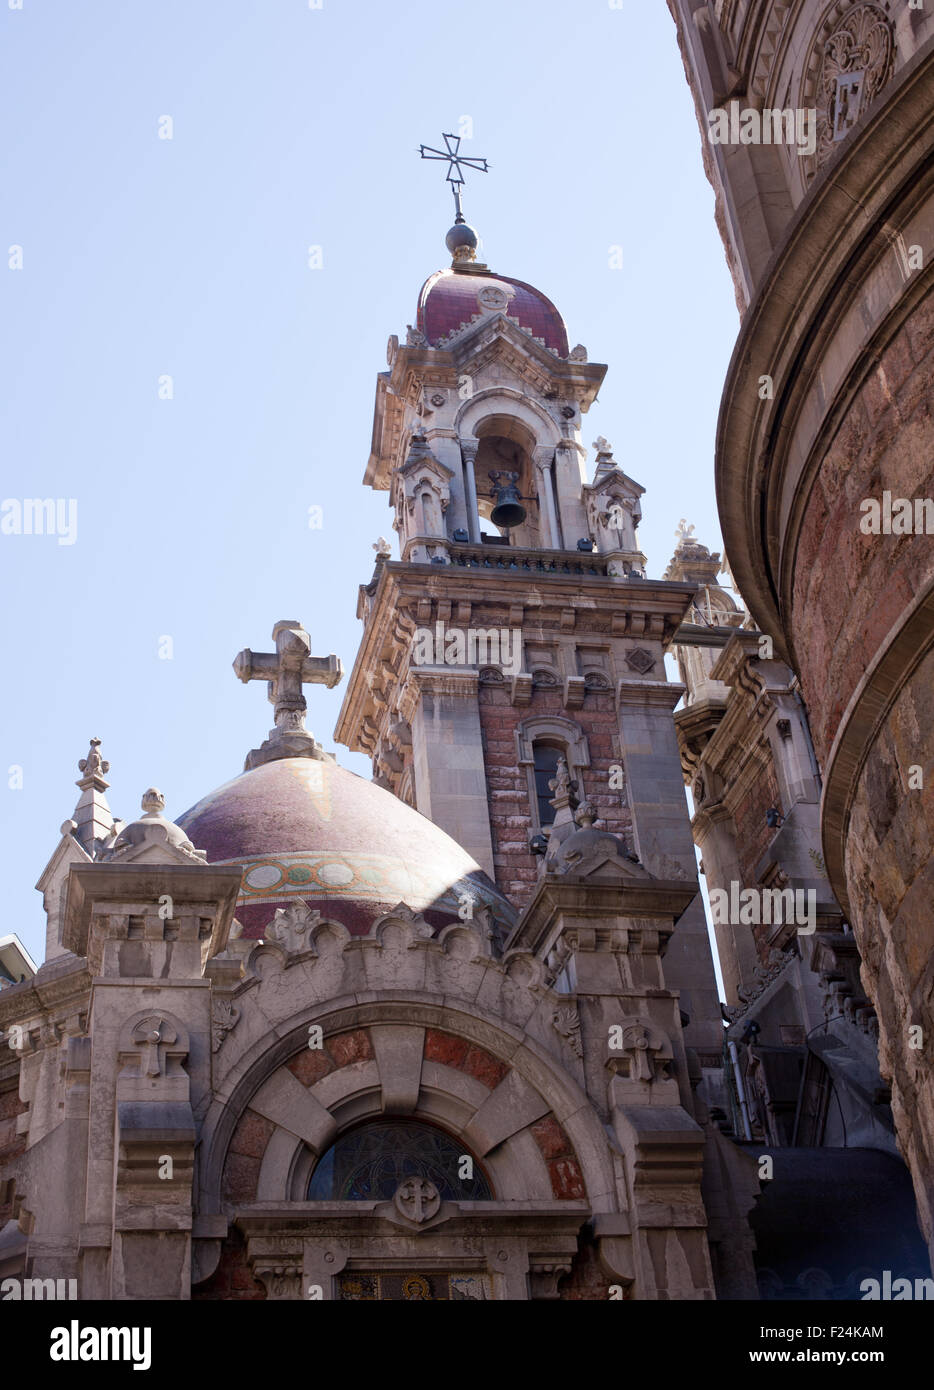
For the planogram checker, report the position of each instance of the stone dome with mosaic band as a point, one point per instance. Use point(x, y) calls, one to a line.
point(307, 832)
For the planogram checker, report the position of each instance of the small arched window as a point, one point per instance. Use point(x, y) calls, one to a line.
point(545, 757)
point(368, 1164)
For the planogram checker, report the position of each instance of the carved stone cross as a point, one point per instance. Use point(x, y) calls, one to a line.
point(151, 1035)
point(417, 1199)
point(286, 670)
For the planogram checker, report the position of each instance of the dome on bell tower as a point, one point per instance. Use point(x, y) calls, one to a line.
point(452, 298)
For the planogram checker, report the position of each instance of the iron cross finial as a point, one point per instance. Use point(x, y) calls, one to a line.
point(455, 161)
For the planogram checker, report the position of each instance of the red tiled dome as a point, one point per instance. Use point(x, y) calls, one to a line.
point(450, 298)
point(309, 829)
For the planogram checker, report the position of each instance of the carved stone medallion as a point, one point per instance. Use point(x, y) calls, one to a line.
point(417, 1199)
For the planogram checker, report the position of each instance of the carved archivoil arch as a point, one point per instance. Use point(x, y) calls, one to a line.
point(403, 1072)
point(503, 411)
point(545, 728)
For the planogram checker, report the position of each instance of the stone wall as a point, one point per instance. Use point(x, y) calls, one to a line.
point(12, 1145)
point(891, 879)
point(851, 588)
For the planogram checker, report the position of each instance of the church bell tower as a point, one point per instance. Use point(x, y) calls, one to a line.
point(517, 628)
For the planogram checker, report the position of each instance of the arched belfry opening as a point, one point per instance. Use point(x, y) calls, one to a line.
point(506, 456)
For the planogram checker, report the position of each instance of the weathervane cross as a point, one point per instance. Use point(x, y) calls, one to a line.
point(455, 160)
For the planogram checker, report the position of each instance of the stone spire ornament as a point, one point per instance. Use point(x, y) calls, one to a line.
point(286, 670)
point(93, 819)
point(605, 460)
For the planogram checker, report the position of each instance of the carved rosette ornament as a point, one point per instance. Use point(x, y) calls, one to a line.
point(848, 68)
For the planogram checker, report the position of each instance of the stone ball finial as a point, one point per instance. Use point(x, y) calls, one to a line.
point(153, 802)
point(462, 241)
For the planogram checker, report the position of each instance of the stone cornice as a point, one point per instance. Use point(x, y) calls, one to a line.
point(657, 694)
point(640, 608)
point(601, 903)
point(839, 235)
point(65, 989)
point(446, 680)
point(694, 725)
point(125, 886)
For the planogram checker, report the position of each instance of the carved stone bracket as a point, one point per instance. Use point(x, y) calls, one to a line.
point(282, 1281)
point(544, 1276)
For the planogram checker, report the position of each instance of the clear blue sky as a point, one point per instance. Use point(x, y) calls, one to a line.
point(143, 257)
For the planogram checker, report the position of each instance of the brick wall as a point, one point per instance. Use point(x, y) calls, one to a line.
point(507, 782)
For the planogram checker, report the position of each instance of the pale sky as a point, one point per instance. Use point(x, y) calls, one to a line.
point(145, 257)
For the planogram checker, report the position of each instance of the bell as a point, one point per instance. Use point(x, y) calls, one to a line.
point(508, 511)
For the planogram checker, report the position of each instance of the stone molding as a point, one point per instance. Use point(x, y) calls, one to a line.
point(524, 1249)
point(891, 667)
point(850, 212)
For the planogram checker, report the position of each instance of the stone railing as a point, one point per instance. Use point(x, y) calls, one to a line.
point(496, 557)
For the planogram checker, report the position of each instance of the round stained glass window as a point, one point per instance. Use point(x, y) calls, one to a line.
point(368, 1164)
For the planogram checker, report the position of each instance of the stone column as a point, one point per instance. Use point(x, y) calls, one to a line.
point(713, 830)
point(148, 1072)
point(450, 782)
point(569, 479)
point(469, 449)
point(542, 458)
point(665, 845)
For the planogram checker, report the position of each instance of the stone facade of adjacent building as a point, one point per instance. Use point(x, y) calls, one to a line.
point(825, 430)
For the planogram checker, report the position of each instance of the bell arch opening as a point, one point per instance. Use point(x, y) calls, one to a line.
point(505, 475)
